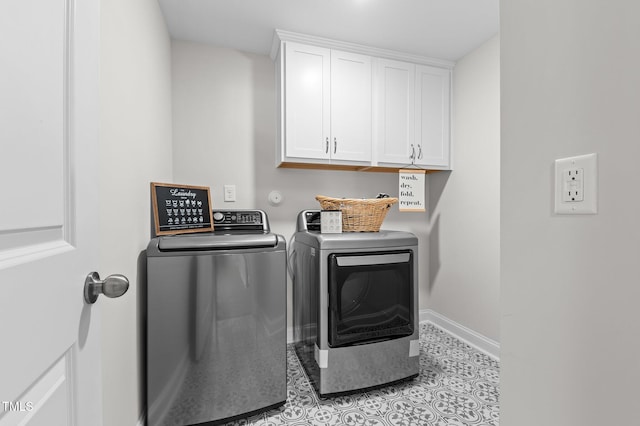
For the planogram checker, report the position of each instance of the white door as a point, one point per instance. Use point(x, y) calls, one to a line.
point(50, 344)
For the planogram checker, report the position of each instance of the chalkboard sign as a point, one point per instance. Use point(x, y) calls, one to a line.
point(181, 209)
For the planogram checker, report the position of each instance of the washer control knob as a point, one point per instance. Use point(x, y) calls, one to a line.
point(217, 216)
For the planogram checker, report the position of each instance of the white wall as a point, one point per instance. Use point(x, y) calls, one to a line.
point(135, 148)
point(570, 350)
point(216, 117)
point(464, 255)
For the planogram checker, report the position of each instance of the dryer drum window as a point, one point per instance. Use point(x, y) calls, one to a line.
point(370, 297)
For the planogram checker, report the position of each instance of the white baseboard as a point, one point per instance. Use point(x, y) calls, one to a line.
point(290, 335)
point(477, 340)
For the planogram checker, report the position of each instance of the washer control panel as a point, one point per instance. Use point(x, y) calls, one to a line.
point(240, 220)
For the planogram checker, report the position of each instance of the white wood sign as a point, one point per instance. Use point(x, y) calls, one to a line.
point(411, 195)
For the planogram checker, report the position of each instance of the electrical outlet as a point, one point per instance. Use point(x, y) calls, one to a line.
point(573, 190)
point(576, 181)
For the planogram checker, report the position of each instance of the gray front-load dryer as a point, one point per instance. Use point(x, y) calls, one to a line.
point(355, 306)
point(216, 322)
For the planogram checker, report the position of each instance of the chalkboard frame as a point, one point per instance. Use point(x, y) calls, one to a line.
point(161, 196)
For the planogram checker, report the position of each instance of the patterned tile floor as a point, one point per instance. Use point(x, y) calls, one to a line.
point(457, 386)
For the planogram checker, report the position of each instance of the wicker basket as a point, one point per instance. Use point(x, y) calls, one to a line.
point(359, 214)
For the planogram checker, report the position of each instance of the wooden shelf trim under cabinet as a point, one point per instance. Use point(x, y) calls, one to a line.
point(343, 167)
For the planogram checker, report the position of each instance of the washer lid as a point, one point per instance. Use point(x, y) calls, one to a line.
point(217, 242)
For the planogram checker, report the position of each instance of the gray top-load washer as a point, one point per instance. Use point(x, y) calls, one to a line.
point(216, 322)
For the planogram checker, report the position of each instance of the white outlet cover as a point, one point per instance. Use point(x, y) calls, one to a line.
point(587, 203)
point(229, 193)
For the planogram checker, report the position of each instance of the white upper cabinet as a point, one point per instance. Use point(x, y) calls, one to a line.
point(306, 101)
point(343, 104)
point(433, 106)
point(327, 104)
point(395, 102)
point(413, 115)
point(350, 106)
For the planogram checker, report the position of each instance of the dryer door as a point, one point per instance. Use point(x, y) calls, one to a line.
point(370, 297)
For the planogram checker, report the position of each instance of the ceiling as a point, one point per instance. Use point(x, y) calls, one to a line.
point(443, 29)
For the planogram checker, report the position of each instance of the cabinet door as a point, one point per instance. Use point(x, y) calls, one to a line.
point(307, 96)
point(395, 111)
point(432, 116)
point(350, 106)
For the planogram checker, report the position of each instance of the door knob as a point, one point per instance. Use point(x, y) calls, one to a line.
point(113, 286)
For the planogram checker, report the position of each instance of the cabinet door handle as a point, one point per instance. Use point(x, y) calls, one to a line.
point(326, 149)
point(419, 152)
point(335, 145)
point(413, 153)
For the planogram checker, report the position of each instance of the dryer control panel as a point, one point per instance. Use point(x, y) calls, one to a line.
point(309, 220)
